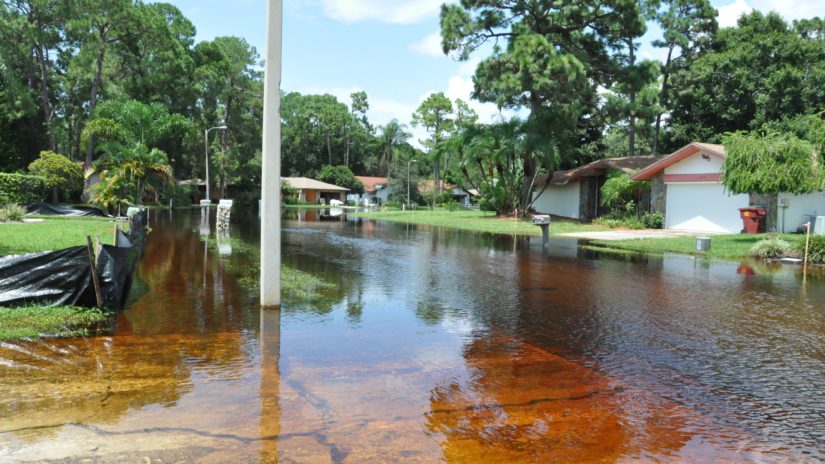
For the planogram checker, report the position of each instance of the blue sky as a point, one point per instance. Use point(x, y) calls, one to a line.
point(388, 48)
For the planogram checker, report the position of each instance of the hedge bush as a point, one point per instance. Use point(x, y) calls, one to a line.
point(22, 189)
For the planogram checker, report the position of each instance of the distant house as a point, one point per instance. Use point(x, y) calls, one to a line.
point(376, 191)
point(575, 193)
point(457, 193)
point(686, 188)
point(314, 191)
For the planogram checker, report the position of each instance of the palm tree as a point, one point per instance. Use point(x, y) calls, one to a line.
point(393, 134)
point(127, 134)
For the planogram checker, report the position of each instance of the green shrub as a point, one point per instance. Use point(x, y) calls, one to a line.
point(653, 220)
point(392, 204)
point(21, 189)
point(61, 173)
point(608, 222)
point(627, 222)
point(816, 249)
point(12, 212)
point(452, 205)
point(769, 248)
point(351, 203)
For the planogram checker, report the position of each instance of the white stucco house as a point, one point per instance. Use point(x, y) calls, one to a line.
point(376, 191)
point(460, 195)
point(575, 193)
point(687, 189)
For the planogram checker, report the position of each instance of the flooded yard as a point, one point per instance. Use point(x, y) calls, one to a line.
point(433, 346)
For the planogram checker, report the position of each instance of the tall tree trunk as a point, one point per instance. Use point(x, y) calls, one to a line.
point(662, 99)
point(389, 162)
point(632, 121)
point(436, 184)
point(42, 57)
point(43, 61)
point(346, 152)
point(90, 144)
point(329, 149)
point(101, 56)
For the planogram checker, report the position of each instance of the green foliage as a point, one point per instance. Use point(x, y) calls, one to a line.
point(52, 234)
point(491, 160)
point(12, 212)
point(289, 194)
point(619, 191)
point(341, 176)
point(653, 220)
point(128, 175)
point(452, 205)
point(761, 71)
point(52, 321)
point(771, 163)
point(630, 221)
point(22, 189)
point(816, 249)
point(770, 248)
point(60, 172)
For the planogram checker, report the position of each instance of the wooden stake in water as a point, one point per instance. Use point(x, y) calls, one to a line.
point(95, 278)
point(807, 242)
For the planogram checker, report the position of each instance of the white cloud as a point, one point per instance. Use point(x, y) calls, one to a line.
point(729, 14)
point(790, 9)
point(429, 45)
point(387, 11)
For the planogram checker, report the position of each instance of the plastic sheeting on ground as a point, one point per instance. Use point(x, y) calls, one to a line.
point(63, 277)
point(49, 209)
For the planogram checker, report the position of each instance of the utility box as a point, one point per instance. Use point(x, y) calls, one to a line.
point(703, 244)
point(819, 226)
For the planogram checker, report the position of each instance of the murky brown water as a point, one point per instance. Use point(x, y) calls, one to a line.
point(436, 346)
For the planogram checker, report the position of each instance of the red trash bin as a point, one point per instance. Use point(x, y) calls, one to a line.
point(753, 219)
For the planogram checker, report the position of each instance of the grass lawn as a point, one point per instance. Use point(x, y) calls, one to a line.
point(53, 234)
point(55, 321)
point(474, 220)
point(722, 246)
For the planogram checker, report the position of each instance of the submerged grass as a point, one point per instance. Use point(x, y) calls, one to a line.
point(296, 286)
point(47, 321)
point(733, 246)
point(53, 234)
point(477, 221)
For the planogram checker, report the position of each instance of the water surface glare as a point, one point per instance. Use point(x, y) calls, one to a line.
point(434, 346)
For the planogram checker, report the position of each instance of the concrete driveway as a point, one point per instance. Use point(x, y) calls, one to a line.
point(629, 234)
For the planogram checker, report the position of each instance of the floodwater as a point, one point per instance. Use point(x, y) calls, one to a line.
point(433, 346)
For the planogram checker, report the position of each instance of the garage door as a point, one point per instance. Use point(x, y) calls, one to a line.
point(703, 208)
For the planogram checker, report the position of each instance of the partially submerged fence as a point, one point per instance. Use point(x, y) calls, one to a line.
point(64, 277)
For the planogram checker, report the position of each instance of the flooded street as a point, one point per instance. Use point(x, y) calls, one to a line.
point(433, 346)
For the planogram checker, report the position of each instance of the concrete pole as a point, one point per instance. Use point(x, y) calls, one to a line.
point(271, 163)
point(206, 157)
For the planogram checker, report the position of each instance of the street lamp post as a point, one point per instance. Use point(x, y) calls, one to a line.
point(206, 153)
point(408, 180)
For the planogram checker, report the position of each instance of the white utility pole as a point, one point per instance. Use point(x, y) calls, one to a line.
point(271, 163)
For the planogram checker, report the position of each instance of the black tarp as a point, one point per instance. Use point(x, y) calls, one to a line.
point(62, 277)
point(56, 277)
point(48, 209)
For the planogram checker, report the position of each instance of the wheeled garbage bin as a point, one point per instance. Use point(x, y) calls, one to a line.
point(753, 219)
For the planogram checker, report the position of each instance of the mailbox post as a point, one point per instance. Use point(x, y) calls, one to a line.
point(543, 221)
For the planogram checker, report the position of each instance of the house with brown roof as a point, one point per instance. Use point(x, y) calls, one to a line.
point(314, 191)
point(462, 196)
point(686, 188)
point(376, 191)
point(574, 193)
